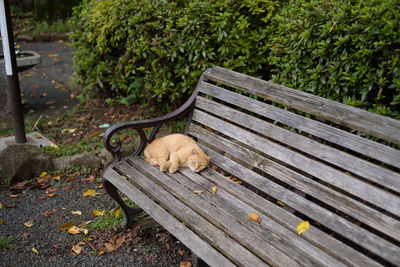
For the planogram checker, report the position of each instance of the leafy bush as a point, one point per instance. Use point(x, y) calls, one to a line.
point(344, 50)
point(156, 50)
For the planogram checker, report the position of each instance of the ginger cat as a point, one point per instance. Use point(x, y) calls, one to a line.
point(174, 151)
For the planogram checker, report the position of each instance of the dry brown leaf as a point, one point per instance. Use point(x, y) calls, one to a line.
point(254, 217)
point(110, 247)
point(76, 212)
point(14, 196)
point(74, 230)
point(57, 178)
point(199, 192)
point(29, 224)
point(90, 192)
point(66, 226)
point(181, 252)
point(51, 195)
point(77, 249)
point(185, 264)
point(101, 253)
point(47, 213)
point(35, 250)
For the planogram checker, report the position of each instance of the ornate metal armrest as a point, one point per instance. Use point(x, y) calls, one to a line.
point(115, 149)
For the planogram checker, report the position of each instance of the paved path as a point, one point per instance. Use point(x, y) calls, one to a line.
point(47, 87)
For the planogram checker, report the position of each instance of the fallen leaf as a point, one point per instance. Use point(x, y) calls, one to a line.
point(254, 217)
point(73, 230)
point(97, 213)
point(110, 247)
point(94, 134)
point(51, 195)
point(116, 213)
point(76, 212)
point(302, 227)
point(86, 232)
point(198, 192)
point(90, 192)
point(100, 186)
point(1, 205)
point(29, 224)
point(47, 213)
point(52, 189)
point(43, 174)
point(35, 250)
point(185, 264)
point(280, 203)
point(101, 253)
point(66, 226)
point(57, 178)
point(25, 235)
point(91, 179)
point(38, 136)
point(14, 196)
point(44, 179)
point(54, 146)
point(214, 190)
point(181, 252)
point(66, 188)
point(77, 249)
point(2, 221)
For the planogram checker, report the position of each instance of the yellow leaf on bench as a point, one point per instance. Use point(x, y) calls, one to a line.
point(302, 227)
point(254, 217)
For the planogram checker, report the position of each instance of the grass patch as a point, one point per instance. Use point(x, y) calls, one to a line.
point(106, 221)
point(109, 219)
point(6, 242)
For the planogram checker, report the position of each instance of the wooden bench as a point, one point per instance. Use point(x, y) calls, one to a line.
point(298, 157)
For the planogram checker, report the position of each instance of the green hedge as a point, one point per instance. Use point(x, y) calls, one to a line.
point(345, 50)
point(155, 51)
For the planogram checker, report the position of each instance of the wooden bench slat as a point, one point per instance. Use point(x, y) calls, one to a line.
point(345, 139)
point(359, 211)
point(262, 246)
point(174, 226)
point(373, 124)
point(313, 235)
point(365, 191)
point(341, 159)
point(332, 221)
point(302, 251)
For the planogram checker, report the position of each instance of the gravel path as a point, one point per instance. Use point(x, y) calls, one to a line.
point(147, 244)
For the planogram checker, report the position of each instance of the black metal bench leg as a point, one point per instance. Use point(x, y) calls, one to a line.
point(130, 214)
point(197, 262)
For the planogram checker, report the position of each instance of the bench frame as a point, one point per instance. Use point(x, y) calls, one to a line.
point(321, 109)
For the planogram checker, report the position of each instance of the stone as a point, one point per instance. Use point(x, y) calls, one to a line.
point(22, 162)
point(82, 159)
point(107, 158)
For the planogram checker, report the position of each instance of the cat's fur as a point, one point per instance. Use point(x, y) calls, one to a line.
point(174, 151)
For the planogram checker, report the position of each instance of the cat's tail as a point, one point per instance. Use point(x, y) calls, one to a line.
point(149, 158)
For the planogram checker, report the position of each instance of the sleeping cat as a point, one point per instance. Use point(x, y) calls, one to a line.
point(174, 151)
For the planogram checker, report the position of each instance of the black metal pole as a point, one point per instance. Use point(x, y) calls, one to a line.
point(14, 92)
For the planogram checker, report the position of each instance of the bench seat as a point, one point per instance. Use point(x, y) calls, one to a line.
point(285, 155)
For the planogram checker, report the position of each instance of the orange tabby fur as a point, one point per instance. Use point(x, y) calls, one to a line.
point(174, 151)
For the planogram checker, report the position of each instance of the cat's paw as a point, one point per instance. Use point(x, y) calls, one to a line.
point(173, 169)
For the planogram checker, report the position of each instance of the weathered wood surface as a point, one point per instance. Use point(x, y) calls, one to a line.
point(356, 209)
point(173, 225)
point(356, 187)
point(262, 246)
point(345, 139)
point(367, 122)
point(286, 219)
point(324, 152)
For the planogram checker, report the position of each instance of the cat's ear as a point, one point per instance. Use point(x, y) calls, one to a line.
point(194, 151)
point(208, 158)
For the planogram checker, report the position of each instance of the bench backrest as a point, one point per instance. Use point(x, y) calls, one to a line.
point(332, 164)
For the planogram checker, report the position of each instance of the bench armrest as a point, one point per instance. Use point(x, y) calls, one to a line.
point(156, 123)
